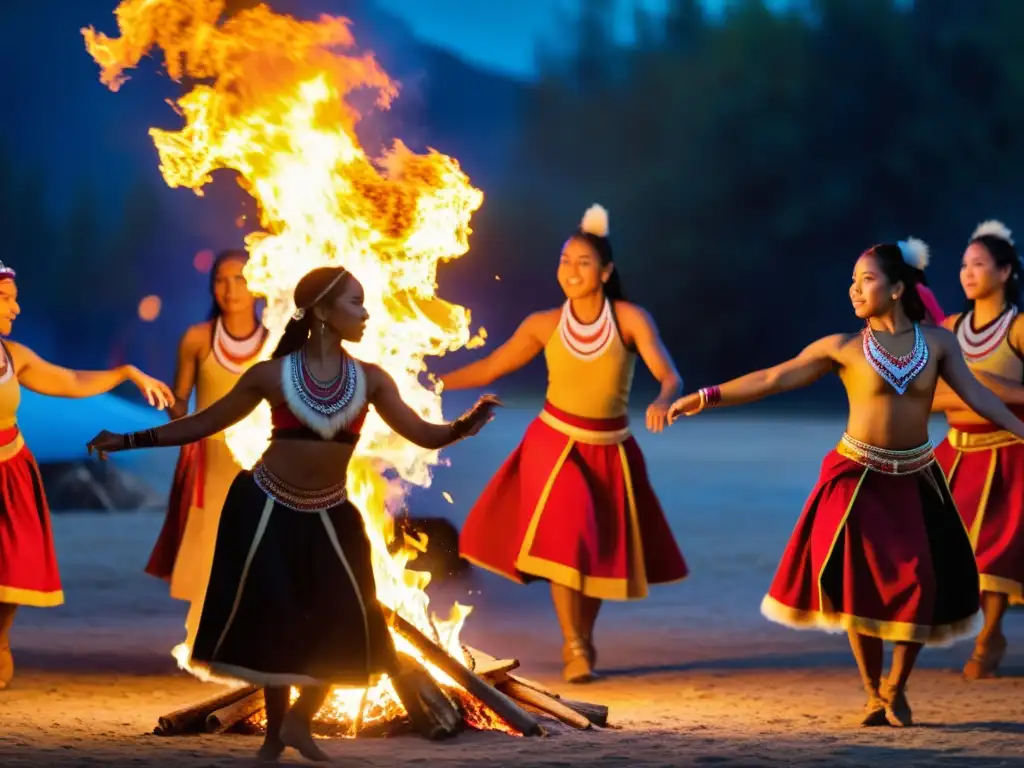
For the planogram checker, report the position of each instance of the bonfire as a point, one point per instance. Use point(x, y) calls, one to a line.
point(276, 100)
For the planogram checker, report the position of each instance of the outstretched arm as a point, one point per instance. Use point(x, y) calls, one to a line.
point(524, 345)
point(406, 422)
point(811, 364)
point(230, 409)
point(975, 395)
point(44, 377)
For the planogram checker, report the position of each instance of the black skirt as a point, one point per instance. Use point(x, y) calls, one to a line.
point(291, 598)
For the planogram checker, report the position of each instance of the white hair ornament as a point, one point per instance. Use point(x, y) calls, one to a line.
point(915, 252)
point(595, 221)
point(993, 228)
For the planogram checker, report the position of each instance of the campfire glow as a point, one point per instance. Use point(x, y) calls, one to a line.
point(271, 106)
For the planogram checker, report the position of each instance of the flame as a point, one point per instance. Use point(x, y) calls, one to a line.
point(275, 103)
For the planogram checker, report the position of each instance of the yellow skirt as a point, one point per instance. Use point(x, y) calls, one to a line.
point(195, 557)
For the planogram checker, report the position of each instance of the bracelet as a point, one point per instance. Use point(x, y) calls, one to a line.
point(461, 426)
point(710, 397)
point(144, 439)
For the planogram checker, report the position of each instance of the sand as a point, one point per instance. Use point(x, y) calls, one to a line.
point(693, 676)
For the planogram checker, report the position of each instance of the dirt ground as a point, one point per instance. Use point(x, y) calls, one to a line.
point(713, 713)
point(694, 674)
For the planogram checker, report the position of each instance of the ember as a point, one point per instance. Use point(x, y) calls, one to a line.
point(274, 104)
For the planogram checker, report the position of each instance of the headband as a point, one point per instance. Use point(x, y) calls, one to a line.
point(300, 312)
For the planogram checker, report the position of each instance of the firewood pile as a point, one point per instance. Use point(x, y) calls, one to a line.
point(488, 689)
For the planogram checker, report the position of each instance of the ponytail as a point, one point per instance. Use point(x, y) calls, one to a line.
point(295, 335)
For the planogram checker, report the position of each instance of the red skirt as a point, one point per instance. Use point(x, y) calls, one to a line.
point(881, 554)
point(985, 470)
point(187, 483)
point(28, 560)
point(573, 505)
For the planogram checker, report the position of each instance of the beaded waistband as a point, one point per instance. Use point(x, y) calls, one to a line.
point(885, 460)
point(299, 499)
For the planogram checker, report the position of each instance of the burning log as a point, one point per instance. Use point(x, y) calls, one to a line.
point(225, 718)
point(432, 713)
point(192, 719)
point(545, 703)
point(495, 700)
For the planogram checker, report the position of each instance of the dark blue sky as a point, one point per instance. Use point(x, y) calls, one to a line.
point(499, 33)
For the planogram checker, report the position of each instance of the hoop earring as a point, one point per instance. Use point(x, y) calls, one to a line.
point(894, 297)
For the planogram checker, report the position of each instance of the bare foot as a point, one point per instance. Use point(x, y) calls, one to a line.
point(296, 733)
point(271, 750)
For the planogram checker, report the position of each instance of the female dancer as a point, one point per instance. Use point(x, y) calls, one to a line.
point(984, 463)
point(880, 550)
point(211, 358)
point(291, 597)
point(28, 562)
point(573, 505)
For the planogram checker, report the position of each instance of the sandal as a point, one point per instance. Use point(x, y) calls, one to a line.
point(985, 660)
point(874, 709)
point(576, 658)
point(897, 708)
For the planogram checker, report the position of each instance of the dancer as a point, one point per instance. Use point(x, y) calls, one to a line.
point(28, 562)
point(880, 550)
point(211, 358)
point(983, 462)
point(291, 597)
point(573, 504)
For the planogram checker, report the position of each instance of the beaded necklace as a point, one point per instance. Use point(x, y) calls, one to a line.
point(233, 353)
point(898, 371)
point(326, 407)
point(7, 370)
point(586, 341)
point(977, 345)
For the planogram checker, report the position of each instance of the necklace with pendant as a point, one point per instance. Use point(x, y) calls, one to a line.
point(898, 371)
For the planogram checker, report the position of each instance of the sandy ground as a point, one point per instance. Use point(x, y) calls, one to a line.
point(693, 676)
